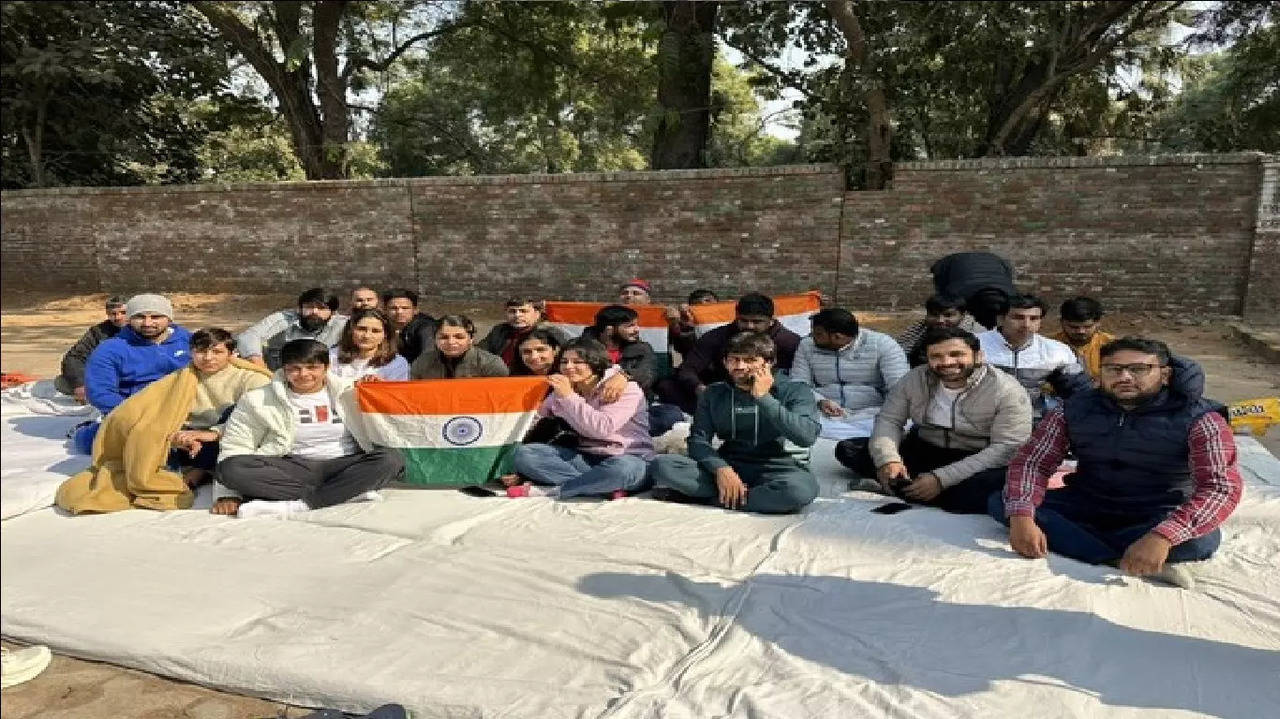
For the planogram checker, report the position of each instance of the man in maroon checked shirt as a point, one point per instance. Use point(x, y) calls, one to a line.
point(1156, 472)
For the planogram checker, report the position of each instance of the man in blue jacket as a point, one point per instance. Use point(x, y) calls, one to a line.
point(150, 347)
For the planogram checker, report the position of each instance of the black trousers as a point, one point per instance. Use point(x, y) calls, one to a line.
point(967, 497)
point(318, 482)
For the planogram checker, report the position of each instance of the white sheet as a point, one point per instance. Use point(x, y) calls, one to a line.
point(33, 435)
point(463, 607)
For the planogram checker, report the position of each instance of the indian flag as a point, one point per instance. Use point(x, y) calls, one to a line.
point(453, 431)
point(574, 317)
point(793, 311)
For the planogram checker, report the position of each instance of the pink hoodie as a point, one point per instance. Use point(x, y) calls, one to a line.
point(606, 429)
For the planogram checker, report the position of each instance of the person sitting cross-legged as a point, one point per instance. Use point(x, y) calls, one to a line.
point(969, 420)
point(1018, 348)
point(299, 443)
point(71, 379)
point(316, 317)
point(939, 311)
point(456, 354)
point(1156, 471)
point(367, 349)
point(765, 422)
point(704, 364)
point(607, 445)
point(524, 315)
point(1081, 318)
point(163, 441)
point(365, 298)
point(849, 368)
point(414, 331)
point(221, 381)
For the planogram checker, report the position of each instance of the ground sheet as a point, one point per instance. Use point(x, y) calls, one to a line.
point(463, 607)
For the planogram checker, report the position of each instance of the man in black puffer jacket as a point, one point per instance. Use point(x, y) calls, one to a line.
point(1156, 476)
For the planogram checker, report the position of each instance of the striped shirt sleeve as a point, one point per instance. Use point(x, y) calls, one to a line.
point(1033, 465)
point(1218, 484)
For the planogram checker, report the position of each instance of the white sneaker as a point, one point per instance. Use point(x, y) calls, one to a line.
point(372, 495)
point(23, 665)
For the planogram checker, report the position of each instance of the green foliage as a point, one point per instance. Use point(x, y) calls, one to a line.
point(541, 87)
point(92, 92)
point(1232, 104)
point(738, 133)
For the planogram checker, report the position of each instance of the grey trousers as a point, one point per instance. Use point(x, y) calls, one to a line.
point(318, 482)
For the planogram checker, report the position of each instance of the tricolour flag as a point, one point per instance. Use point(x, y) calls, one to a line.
point(793, 311)
point(574, 317)
point(452, 431)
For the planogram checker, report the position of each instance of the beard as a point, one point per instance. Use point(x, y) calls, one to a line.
point(964, 373)
point(312, 323)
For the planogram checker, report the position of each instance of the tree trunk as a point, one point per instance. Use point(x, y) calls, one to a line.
point(879, 163)
point(685, 56)
point(34, 137)
point(319, 139)
point(331, 87)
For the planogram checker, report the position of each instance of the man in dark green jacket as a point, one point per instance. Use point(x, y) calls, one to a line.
point(765, 422)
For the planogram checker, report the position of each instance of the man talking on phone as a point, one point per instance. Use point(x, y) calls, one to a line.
point(969, 420)
point(766, 423)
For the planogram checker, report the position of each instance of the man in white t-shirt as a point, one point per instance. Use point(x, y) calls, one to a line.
point(297, 444)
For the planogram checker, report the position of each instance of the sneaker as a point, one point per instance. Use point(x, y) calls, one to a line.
point(618, 494)
point(23, 665)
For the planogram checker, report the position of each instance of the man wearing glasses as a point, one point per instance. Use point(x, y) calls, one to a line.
point(1157, 472)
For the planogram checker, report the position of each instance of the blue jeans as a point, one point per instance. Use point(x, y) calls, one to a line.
point(580, 473)
point(1077, 529)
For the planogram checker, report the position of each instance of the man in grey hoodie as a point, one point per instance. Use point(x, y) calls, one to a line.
point(970, 418)
point(761, 419)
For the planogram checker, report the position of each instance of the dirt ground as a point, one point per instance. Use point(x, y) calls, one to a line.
point(35, 331)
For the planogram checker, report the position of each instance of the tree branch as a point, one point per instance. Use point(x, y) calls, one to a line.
point(1089, 60)
point(382, 65)
point(792, 79)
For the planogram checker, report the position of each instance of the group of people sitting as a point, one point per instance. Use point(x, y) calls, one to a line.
point(969, 417)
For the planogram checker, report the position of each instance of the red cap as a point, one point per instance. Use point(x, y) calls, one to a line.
point(637, 282)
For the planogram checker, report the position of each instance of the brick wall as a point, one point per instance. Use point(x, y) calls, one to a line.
point(1158, 233)
point(578, 236)
point(1262, 299)
point(1181, 233)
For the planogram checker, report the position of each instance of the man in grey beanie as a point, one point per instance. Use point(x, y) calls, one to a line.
point(150, 347)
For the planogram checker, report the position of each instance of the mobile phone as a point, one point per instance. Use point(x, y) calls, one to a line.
point(891, 508)
point(477, 491)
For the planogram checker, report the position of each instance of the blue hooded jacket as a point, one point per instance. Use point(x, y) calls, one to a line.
point(124, 364)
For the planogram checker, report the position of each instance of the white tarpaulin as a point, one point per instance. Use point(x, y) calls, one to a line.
point(465, 607)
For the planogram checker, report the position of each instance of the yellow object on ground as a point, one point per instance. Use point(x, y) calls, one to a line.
point(1255, 415)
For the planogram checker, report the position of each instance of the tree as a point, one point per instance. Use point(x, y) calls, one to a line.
point(524, 87)
point(92, 92)
point(310, 54)
point(947, 79)
point(685, 55)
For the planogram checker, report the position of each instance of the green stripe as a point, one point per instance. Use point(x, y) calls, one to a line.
point(664, 364)
point(456, 466)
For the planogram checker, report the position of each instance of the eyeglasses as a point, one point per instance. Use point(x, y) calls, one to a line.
point(1138, 369)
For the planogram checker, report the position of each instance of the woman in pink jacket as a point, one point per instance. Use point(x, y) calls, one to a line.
point(609, 455)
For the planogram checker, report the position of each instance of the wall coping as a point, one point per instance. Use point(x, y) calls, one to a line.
point(451, 180)
point(1019, 163)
